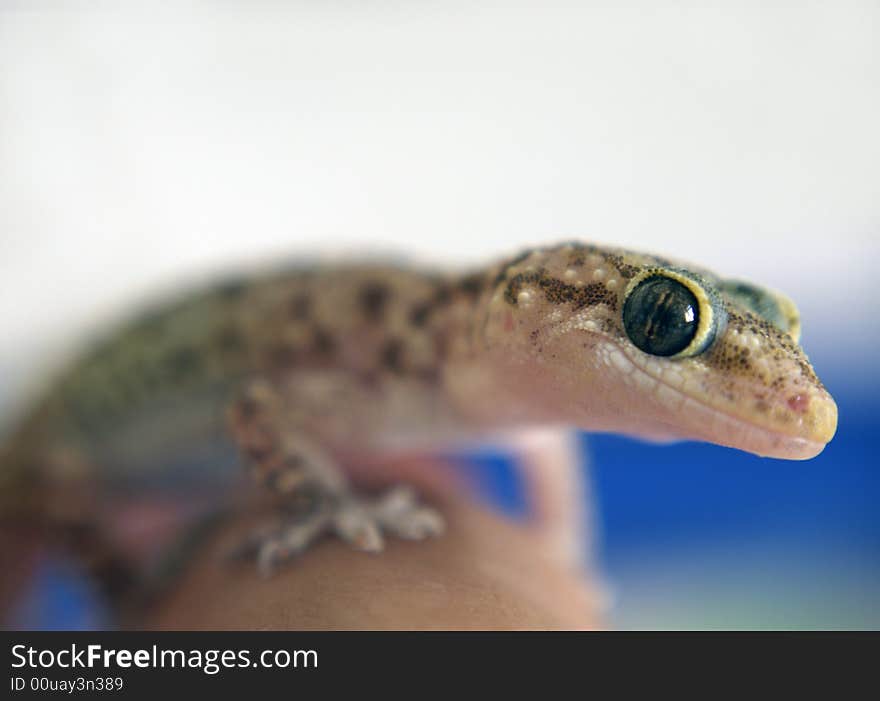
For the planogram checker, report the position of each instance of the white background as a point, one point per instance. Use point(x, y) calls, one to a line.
point(159, 141)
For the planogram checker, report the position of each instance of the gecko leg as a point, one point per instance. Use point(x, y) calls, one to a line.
point(315, 498)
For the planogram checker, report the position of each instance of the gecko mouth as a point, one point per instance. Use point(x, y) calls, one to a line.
point(808, 420)
point(707, 423)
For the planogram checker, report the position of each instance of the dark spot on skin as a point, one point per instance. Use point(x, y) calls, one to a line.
point(272, 479)
point(513, 262)
point(231, 289)
point(558, 292)
point(391, 356)
point(374, 298)
point(183, 361)
point(418, 315)
point(247, 408)
point(626, 270)
point(443, 295)
point(324, 343)
point(259, 446)
point(228, 339)
point(472, 285)
point(300, 307)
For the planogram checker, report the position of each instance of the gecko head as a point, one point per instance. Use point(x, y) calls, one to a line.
point(669, 351)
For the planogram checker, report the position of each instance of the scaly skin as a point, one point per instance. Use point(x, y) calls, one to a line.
point(553, 344)
point(304, 369)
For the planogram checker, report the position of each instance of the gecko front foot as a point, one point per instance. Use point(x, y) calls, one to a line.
point(359, 521)
point(315, 494)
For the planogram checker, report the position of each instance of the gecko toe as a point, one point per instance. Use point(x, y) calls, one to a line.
point(399, 512)
point(359, 521)
point(356, 525)
point(417, 524)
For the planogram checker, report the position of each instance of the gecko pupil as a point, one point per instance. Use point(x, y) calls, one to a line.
point(661, 316)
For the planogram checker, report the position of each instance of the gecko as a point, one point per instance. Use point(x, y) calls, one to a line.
point(299, 372)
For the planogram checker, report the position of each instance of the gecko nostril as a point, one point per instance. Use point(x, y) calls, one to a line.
point(799, 403)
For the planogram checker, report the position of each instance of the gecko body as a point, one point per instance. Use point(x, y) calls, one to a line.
point(296, 372)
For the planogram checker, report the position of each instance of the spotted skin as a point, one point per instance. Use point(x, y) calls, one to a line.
point(297, 370)
point(557, 312)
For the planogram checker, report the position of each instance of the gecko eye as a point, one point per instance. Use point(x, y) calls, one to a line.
point(662, 316)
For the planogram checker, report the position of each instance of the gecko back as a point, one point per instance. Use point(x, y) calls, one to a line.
point(147, 430)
